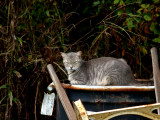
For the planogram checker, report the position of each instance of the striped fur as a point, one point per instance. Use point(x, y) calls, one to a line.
point(101, 71)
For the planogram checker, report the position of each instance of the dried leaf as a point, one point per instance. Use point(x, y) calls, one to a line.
point(123, 52)
point(18, 74)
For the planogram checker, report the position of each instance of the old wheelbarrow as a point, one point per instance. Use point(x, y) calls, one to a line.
point(79, 112)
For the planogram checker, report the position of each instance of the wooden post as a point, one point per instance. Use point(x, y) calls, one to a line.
point(62, 94)
point(156, 74)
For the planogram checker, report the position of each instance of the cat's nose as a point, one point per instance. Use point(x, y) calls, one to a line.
point(71, 67)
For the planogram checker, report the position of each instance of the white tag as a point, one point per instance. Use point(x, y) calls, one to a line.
point(48, 104)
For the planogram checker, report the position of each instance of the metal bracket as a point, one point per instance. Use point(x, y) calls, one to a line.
point(143, 110)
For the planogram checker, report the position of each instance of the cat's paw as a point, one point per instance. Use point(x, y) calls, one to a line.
point(74, 82)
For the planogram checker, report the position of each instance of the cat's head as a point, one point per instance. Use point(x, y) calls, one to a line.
point(72, 61)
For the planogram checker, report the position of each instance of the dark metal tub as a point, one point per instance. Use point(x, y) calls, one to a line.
point(99, 98)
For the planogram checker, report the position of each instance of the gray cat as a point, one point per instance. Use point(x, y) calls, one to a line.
point(101, 71)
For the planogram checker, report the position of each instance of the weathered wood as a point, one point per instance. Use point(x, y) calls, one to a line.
point(143, 110)
point(62, 94)
point(81, 112)
point(156, 74)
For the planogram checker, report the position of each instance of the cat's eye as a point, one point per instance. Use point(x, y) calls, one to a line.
point(76, 62)
point(66, 63)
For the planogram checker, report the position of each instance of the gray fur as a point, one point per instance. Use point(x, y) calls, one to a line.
point(101, 71)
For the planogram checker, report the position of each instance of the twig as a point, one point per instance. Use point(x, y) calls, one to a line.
point(36, 101)
point(99, 37)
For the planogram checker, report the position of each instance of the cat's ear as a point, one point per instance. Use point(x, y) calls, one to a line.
point(63, 54)
point(79, 53)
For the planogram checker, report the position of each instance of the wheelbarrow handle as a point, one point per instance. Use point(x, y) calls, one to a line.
point(62, 94)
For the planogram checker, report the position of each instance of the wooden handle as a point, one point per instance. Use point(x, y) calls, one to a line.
point(62, 94)
point(156, 74)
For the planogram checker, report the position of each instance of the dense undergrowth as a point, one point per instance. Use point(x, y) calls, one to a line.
point(34, 32)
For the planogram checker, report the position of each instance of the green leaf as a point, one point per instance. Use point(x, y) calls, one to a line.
point(20, 40)
point(157, 15)
point(47, 13)
point(143, 6)
point(138, 20)
point(139, 12)
point(120, 12)
point(153, 28)
point(155, 1)
point(85, 10)
point(147, 6)
point(130, 23)
point(15, 99)
point(29, 57)
point(157, 40)
point(96, 3)
point(9, 93)
point(130, 14)
point(19, 59)
point(144, 50)
point(128, 1)
point(121, 2)
point(147, 17)
point(116, 1)
point(3, 86)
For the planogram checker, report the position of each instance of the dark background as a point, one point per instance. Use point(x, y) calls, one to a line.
point(34, 32)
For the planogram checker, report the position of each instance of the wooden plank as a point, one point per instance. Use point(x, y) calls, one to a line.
point(156, 74)
point(81, 112)
point(62, 94)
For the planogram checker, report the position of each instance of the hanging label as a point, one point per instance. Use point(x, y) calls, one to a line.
point(48, 104)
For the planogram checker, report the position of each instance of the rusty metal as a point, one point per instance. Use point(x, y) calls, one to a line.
point(108, 88)
point(97, 98)
point(143, 110)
